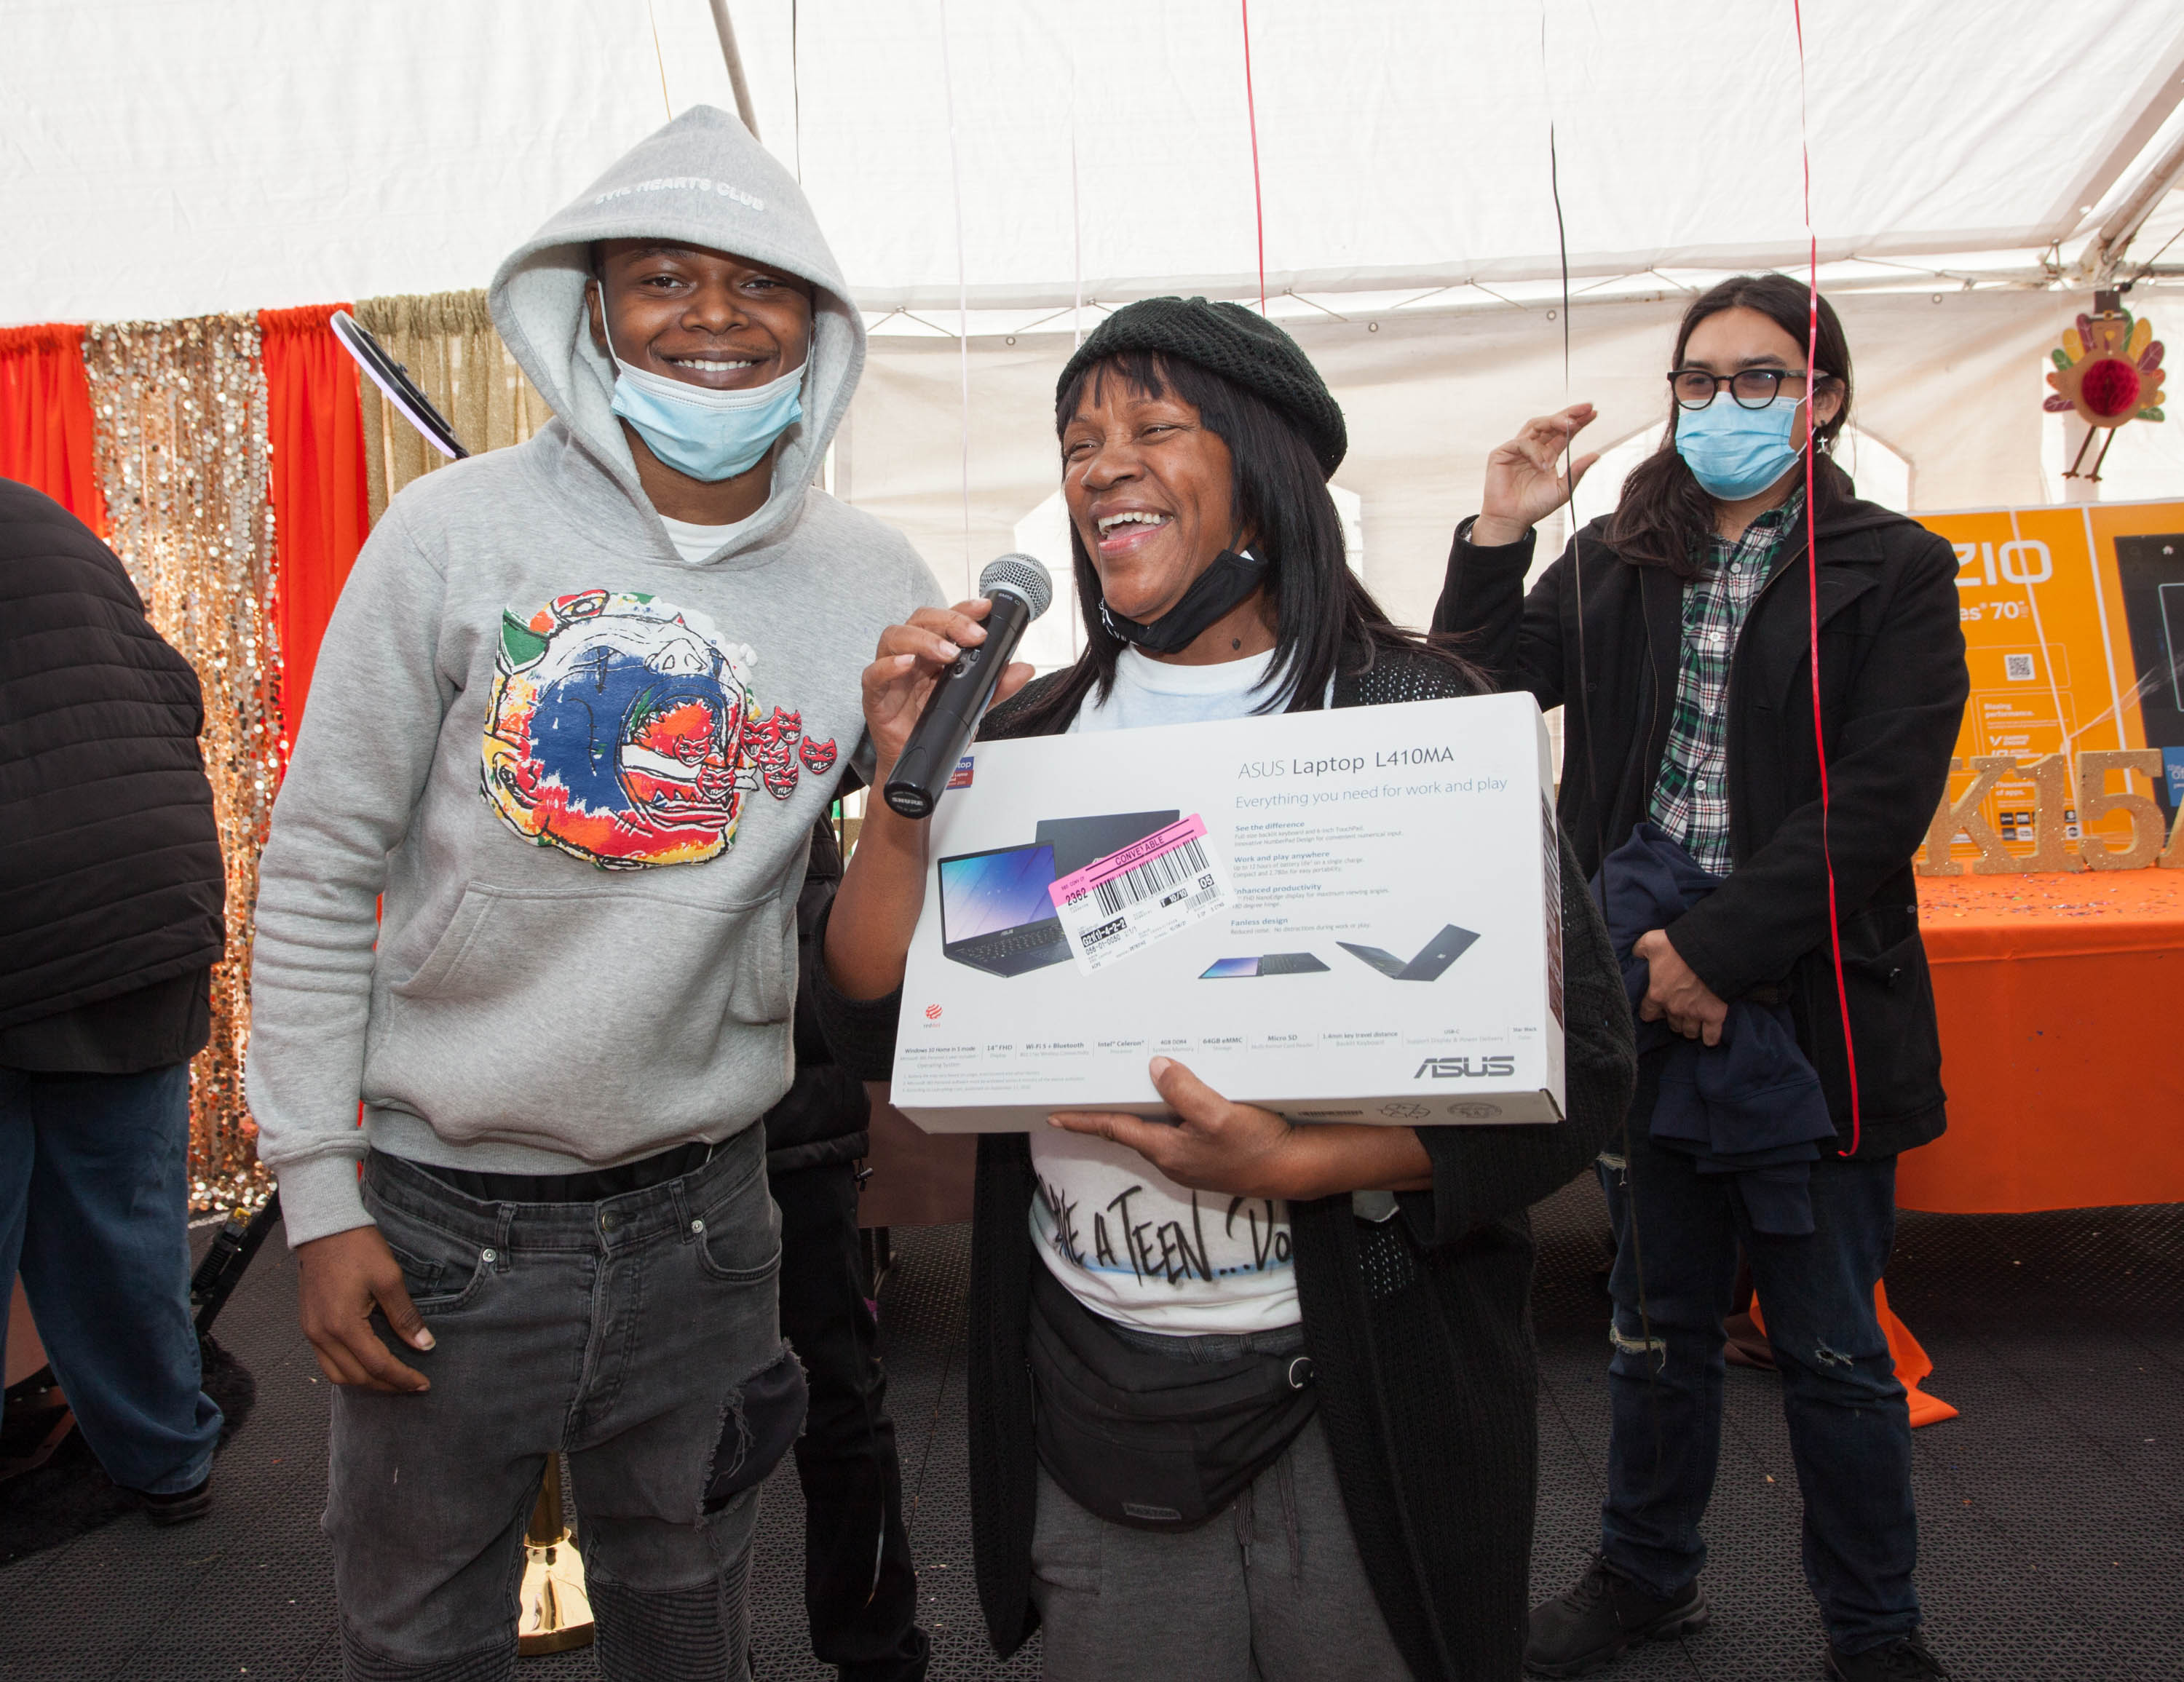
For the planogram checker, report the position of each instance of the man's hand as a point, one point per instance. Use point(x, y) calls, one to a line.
point(344, 1275)
point(1531, 476)
point(1212, 1145)
point(1674, 991)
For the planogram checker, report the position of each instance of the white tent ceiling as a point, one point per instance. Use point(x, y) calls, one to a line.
point(161, 157)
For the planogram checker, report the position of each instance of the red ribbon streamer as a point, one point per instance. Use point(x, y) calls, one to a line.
point(1812, 566)
point(1251, 112)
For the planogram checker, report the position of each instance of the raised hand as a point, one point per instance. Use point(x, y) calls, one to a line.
point(1529, 477)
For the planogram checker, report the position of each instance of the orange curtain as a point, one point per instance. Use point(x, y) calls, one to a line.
point(45, 419)
point(320, 517)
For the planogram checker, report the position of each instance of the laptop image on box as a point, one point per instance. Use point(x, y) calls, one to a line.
point(1434, 957)
point(996, 912)
point(1273, 963)
point(1079, 841)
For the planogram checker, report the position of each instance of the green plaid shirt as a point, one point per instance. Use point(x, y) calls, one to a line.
point(1691, 799)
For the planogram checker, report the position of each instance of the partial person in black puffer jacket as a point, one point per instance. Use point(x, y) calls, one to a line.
point(1391, 1535)
point(111, 896)
point(112, 899)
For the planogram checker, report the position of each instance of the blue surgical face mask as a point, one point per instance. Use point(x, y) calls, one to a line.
point(1735, 451)
point(709, 435)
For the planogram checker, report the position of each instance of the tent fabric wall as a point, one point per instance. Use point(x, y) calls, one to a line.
point(1955, 385)
point(202, 155)
point(314, 430)
point(1405, 143)
point(47, 438)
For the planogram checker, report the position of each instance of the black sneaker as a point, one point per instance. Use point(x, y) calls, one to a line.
point(1587, 1629)
point(182, 1508)
point(1904, 1661)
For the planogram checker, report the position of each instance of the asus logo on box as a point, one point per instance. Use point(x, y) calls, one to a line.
point(1460, 1068)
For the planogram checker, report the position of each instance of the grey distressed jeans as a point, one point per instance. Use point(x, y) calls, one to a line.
point(1271, 1590)
point(620, 1332)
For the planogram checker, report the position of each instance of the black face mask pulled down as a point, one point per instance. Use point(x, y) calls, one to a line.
point(1231, 579)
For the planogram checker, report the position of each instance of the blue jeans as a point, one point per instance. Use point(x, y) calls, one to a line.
point(94, 1213)
point(621, 1332)
point(1850, 1432)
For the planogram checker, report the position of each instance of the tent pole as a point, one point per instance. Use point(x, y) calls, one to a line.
point(2105, 253)
point(727, 32)
point(2156, 97)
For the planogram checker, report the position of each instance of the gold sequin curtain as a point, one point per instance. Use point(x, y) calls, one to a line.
point(180, 409)
point(446, 342)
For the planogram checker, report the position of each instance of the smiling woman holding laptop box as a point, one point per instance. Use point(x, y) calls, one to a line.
point(1152, 1473)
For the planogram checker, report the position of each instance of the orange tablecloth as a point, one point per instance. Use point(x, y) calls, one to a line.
point(2061, 1000)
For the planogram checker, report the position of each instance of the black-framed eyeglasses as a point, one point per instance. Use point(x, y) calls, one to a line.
point(1751, 388)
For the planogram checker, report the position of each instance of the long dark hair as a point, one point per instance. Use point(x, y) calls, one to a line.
point(1665, 515)
point(1326, 621)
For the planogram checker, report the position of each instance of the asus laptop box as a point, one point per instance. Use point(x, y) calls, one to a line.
point(1342, 916)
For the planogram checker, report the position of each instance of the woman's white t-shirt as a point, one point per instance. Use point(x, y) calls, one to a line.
point(1122, 1237)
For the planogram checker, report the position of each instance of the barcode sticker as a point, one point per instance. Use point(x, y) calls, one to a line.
point(1151, 889)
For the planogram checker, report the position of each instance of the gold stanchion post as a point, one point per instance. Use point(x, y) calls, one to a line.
point(556, 1614)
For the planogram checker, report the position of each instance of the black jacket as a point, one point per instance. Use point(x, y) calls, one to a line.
point(1893, 686)
point(110, 876)
point(825, 1116)
point(1419, 1328)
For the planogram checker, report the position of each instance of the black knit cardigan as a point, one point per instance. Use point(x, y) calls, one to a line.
point(1419, 1328)
point(825, 1116)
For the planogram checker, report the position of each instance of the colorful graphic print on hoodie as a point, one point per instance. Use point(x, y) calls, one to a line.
point(624, 730)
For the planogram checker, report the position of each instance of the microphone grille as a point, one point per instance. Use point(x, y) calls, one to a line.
point(1021, 575)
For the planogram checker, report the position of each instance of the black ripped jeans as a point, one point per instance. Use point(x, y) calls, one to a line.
point(621, 1332)
point(1849, 1430)
point(859, 1588)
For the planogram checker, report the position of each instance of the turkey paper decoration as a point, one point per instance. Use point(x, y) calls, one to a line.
point(2108, 371)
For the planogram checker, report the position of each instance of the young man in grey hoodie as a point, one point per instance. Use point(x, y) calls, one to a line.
point(574, 719)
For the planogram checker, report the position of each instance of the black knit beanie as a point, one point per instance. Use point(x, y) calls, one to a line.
point(1237, 343)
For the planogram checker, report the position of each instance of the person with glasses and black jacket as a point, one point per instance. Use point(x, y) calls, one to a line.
point(1678, 635)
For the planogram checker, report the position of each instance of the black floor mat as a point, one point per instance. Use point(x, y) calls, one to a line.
point(71, 1495)
point(2052, 1513)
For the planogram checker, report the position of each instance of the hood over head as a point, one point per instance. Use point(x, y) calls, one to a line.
point(701, 180)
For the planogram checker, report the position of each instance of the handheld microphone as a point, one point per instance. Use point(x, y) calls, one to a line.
point(408, 397)
point(1020, 590)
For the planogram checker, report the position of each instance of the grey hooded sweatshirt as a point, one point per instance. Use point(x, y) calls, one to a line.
point(580, 771)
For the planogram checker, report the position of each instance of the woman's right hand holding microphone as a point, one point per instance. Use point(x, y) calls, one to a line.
point(1525, 480)
point(909, 665)
point(868, 932)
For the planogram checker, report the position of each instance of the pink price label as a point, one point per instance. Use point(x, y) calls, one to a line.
point(1078, 883)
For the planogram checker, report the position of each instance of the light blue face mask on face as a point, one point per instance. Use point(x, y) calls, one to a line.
point(1735, 451)
point(709, 435)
